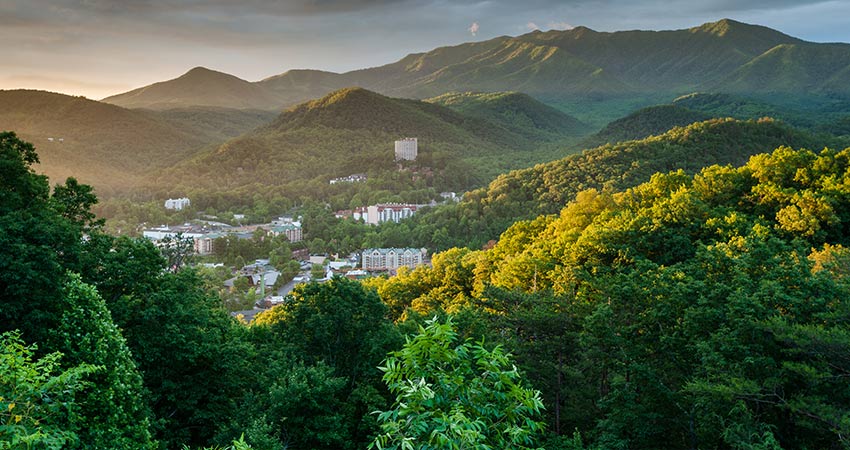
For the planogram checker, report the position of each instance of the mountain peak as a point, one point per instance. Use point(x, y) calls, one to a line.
point(199, 86)
point(353, 94)
point(728, 28)
point(203, 73)
point(722, 27)
point(199, 69)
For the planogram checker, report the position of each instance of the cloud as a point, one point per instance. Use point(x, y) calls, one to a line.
point(559, 26)
point(474, 28)
point(532, 26)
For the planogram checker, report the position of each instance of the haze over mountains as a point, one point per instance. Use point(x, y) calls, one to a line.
point(489, 107)
point(723, 56)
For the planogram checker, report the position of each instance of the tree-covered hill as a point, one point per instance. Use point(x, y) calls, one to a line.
point(801, 68)
point(644, 122)
point(214, 125)
point(199, 87)
point(546, 188)
point(353, 131)
point(101, 144)
point(515, 111)
point(689, 311)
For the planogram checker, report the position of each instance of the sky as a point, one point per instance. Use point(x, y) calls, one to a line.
point(97, 48)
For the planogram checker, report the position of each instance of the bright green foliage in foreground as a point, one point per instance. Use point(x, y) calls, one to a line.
point(113, 415)
point(456, 396)
point(36, 402)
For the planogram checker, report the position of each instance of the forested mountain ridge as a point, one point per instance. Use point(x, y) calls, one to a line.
point(352, 131)
point(644, 122)
point(546, 188)
point(515, 111)
point(558, 66)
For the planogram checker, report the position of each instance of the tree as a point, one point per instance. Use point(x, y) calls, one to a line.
point(456, 396)
point(37, 401)
point(113, 413)
point(337, 325)
point(317, 271)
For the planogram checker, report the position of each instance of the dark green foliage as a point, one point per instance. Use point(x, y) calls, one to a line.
point(189, 352)
point(328, 340)
point(42, 239)
point(36, 242)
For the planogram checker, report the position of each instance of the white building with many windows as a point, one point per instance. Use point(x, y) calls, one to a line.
point(392, 258)
point(177, 203)
point(406, 149)
point(389, 212)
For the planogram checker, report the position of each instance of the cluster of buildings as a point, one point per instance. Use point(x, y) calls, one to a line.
point(287, 227)
point(354, 178)
point(380, 213)
point(203, 234)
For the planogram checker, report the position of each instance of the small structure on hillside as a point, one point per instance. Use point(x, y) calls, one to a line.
point(177, 203)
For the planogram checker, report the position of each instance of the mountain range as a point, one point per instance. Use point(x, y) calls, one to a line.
point(479, 109)
point(554, 66)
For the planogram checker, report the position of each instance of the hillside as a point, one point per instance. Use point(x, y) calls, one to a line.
point(101, 144)
point(215, 124)
point(802, 68)
point(352, 131)
point(546, 188)
point(644, 122)
point(515, 111)
point(297, 86)
point(200, 87)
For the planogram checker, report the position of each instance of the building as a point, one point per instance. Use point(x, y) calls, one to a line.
point(354, 178)
point(202, 242)
point(393, 258)
point(390, 212)
point(177, 203)
point(406, 149)
point(292, 231)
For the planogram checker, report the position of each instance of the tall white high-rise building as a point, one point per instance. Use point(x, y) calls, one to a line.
point(406, 149)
